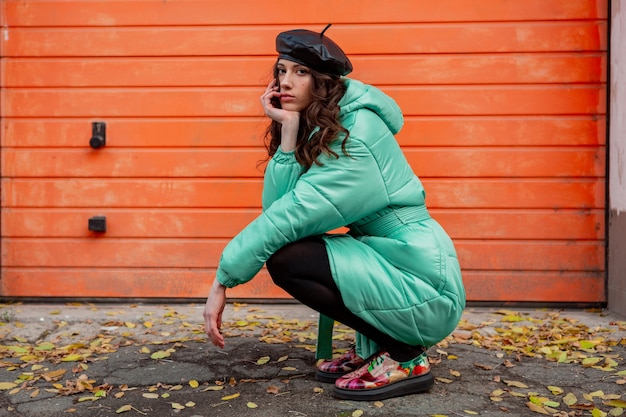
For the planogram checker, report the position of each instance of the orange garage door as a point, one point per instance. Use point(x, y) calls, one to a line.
point(505, 123)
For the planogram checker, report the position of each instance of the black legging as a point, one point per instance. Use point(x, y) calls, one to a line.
point(303, 270)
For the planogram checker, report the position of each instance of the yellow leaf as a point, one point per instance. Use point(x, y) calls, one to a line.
point(160, 354)
point(44, 346)
point(150, 395)
point(83, 399)
point(283, 358)
point(213, 388)
point(455, 373)
point(263, 360)
point(379, 404)
point(145, 350)
point(545, 350)
point(444, 380)
point(7, 385)
point(515, 383)
point(54, 375)
point(555, 390)
point(289, 368)
point(511, 318)
point(357, 413)
point(190, 404)
point(473, 413)
point(72, 358)
point(616, 403)
point(536, 408)
point(591, 361)
point(496, 393)
point(570, 399)
point(251, 405)
point(230, 397)
point(124, 408)
point(597, 413)
point(148, 324)
point(34, 393)
point(176, 388)
point(130, 325)
point(193, 383)
point(538, 400)
point(177, 406)
point(165, 395)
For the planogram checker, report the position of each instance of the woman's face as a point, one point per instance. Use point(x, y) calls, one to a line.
point(296, 82)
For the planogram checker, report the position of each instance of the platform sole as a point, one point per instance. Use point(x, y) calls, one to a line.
point(413, 385)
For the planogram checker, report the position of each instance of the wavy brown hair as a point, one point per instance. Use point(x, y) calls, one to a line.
point(322, 113)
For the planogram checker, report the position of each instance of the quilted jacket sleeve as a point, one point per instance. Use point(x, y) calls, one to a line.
point(326, 197)
point(281, 175)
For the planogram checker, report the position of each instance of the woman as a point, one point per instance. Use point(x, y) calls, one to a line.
point(394, 277)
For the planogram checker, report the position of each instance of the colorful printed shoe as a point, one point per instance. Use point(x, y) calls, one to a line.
point(384, 377)
point(329, 371)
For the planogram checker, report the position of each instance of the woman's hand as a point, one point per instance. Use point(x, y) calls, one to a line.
point(213, 310)
point(289, 120)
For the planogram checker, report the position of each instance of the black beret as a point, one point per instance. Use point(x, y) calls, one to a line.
point(313, 50)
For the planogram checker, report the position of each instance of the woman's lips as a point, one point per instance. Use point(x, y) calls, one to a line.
point(286, 98)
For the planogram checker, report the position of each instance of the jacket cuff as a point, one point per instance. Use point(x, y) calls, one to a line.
point(283, 157)
point(223, 278)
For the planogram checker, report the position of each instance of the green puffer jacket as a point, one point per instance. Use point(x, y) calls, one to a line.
point(396, 268)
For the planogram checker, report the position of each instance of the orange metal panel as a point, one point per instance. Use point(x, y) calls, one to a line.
point(504, 105)
point(236, 132)
point(132, 193)
point(198, 12)
point(538, 224)
point(227, 163)
point(205, 253)
point(547, 287)
point(381, 38)
point(243, 193)
point(157, 133)
point(176, 283)
point(516, 193)
point(126, 283)
point(233, 101)
point(227, 71)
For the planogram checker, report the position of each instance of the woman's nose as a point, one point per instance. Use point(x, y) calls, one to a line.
point(285, 81)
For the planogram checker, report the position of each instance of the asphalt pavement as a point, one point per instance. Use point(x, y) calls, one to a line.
point(91, 360)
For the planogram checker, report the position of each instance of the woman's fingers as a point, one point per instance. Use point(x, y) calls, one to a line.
point(213, 309)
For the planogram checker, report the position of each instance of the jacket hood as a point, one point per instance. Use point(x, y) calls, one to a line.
point(359, 95)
